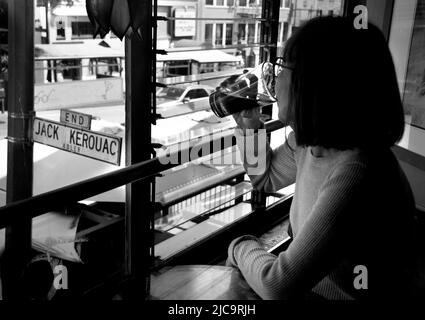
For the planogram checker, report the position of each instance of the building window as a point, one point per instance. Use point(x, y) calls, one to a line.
point(82, 29)
point(220, 3)
point(219, 34)
point(285, 31)
point(229, 34)
point(242, 3)
point(241, 33)
point(60, 30)
point(285, 3)
point(209, 33)
point(251, 33)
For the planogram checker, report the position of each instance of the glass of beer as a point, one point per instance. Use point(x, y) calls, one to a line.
point(252, 89)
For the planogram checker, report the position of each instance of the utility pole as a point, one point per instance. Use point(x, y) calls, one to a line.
point(20, 144)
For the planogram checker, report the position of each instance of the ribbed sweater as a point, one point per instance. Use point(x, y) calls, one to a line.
point(350, 208)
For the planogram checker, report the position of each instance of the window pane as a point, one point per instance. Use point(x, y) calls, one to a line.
point(209, 33)
point(196, 94)
point(229, 34)
point(407, 46)
point(209, 2)
point(82, 29)
point(241, 33)
point(251, 33)
point(220, 2)
point(219, 34)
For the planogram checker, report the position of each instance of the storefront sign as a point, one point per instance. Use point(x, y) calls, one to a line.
point(185, 28)
point(87, 143)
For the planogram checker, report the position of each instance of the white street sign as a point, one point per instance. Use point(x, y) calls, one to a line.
point(75, 119)
point(87, 143)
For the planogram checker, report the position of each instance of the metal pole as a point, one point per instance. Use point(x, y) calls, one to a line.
point(139, 81)
point(20, 145)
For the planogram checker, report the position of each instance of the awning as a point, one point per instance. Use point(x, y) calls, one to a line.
point(78, 10)
point(94, 50)
point(201, 56)
point(77, 51)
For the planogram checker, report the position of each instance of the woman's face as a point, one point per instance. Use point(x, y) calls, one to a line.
point(283, 82)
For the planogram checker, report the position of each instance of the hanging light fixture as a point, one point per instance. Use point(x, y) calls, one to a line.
point(119, 16)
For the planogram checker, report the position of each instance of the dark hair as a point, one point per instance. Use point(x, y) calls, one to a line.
point(344, 92)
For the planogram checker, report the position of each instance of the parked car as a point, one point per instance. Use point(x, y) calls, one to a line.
point(177, 100)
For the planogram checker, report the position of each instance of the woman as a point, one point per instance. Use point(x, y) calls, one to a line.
point(352, 214)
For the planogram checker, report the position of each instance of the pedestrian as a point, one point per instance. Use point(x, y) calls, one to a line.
point(352, 213)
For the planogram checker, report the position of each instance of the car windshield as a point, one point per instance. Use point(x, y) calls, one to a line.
point(171, 93)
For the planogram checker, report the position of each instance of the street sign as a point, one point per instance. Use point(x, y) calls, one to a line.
point(76, 119)
point(87, 143)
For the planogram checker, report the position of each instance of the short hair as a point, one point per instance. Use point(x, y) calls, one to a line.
point(344, 92)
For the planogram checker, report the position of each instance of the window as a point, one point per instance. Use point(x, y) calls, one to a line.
point(241, 32)
point(82, 29)
point(251, 33)
point(285, 3)
point(219, 34)
point(196, 94)
point(209, 33)
point(285, 31)
point(60, 30)
point(220, 3)
point(229, 34)
point(242, 3)
point(407, 46)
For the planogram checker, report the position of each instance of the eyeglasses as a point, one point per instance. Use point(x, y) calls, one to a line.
point(279, 64)
point(271, 71)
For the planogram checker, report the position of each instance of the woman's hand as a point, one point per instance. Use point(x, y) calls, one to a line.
point(249, 119)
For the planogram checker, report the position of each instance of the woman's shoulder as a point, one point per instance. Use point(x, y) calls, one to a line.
point(373, 167)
